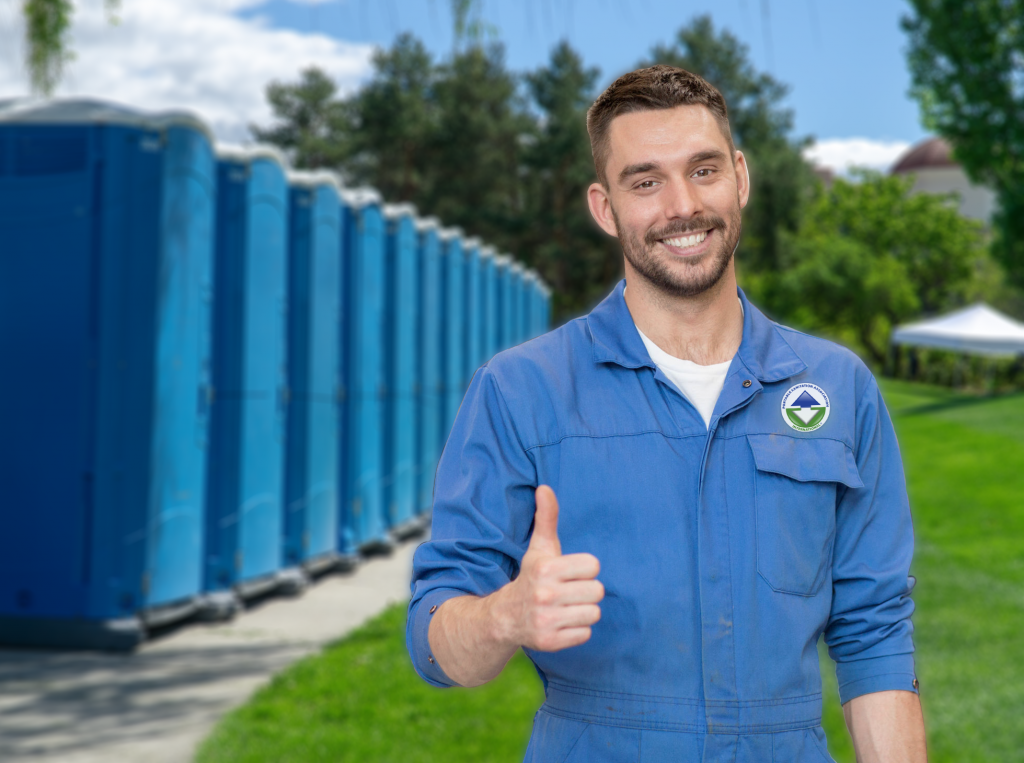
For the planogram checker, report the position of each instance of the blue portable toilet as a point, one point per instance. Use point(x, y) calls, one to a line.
point(473, 327)
point(314, 321)
point(503, 290)
point(363, 524)
point(454, 349)
point(489, 302)
point(529, 320)
point(245, 490)
point(402, 313)
point(430, 376)
point(107, 219)
point(516, 307)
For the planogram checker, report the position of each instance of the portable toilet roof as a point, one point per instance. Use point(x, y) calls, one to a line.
point(394, 211)
point(72, 111)
point(235, 152)
point(447, 234)
point(427, 223)
point(314, 178)
point(472, 243)
point(488, 251)
point(530, 275)
point(977, 329)
point(502, 260)
point(361, 197)
point(517, 267)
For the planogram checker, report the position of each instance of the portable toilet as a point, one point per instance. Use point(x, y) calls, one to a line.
point(314, 321)
point(402, 311)
point(489, 302)
point(107, 219)
point(516, 303)
point(363, 525)
point(430, 379)
point(528, 321)
point(454, 350)
point(472, 326)
point(503, 308)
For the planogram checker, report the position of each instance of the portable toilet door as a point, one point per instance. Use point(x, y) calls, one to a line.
point(454, 325)
point(246, 462)
point(311, 454)
point(363, 525)
point(472, 327)
point(529, 290)
point(488, 304)
point(107, 219)
point(401, 364)
point(429, 376)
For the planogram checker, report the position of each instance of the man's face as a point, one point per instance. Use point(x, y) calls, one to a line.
point(674, 197)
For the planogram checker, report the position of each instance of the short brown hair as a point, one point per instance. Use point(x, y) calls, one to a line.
point(656, 87)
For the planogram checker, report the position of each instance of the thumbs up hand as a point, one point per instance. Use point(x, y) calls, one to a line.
point(554, 601)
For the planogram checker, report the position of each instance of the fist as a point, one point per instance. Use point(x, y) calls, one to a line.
point(554, 601)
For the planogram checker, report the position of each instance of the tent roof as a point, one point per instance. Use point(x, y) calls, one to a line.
point(977, 329)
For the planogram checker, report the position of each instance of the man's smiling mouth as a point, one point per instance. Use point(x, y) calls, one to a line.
point(687, 241)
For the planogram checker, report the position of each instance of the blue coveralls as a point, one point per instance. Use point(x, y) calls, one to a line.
point(725, 551)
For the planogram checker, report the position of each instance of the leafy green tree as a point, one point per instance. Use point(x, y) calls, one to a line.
point(312, 125)
point(761, 127)
point(559, 238)
point(967, 64)
point(871, 254)
point(47, 49)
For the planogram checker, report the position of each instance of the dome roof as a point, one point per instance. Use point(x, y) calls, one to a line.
point(933, 152)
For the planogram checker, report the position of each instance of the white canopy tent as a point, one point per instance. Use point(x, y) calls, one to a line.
point(978, 329)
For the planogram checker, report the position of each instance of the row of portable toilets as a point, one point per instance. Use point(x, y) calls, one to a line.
point(220, 376)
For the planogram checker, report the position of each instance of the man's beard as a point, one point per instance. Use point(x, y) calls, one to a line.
point(701, 273)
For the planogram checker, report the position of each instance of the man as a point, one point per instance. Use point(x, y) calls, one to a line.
point(735, 484)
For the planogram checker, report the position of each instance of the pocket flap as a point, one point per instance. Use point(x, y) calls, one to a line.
point(805, 460)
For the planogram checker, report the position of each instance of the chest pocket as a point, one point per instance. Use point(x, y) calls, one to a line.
point(795, 492)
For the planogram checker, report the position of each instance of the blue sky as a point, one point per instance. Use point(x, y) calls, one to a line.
point(844, 62)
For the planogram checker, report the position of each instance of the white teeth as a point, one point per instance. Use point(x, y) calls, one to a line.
point(686, 241)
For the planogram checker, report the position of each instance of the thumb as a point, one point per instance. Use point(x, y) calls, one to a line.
point(545, 523)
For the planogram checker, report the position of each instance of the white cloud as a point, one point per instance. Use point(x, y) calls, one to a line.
point(194, 54)
point(842, 154)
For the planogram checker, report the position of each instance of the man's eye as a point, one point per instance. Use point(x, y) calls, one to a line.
point(702, 173)
point(646, 184)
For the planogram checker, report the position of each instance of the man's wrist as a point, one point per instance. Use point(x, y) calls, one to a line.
point(503, 625)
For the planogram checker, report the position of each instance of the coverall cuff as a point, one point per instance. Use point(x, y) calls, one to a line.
point(418, 626)
point(893, 672)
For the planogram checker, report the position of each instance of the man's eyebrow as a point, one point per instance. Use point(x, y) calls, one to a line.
point(704, 156)
point(636, 169)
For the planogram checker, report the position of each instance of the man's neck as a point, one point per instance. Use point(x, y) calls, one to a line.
point(705, 329)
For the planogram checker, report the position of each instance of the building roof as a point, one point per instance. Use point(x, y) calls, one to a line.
point(928, 154)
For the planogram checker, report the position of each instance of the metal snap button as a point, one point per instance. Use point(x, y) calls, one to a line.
point(916, 684)
point(430, 659)
point(433, 609)
point(746, 382)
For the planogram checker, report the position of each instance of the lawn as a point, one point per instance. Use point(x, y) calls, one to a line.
point(361, 701)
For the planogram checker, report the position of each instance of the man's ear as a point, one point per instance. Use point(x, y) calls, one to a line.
point(742, 178)
point(601, 208)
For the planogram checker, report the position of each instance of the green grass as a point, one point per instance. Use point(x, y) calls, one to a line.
point(361, 701)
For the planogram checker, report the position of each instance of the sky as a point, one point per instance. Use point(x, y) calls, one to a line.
point(843, 62)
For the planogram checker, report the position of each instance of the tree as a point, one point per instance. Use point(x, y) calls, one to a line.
point(47, 50)
point(967, 65)
point(872, 254)
point(560, 239)
point(761, 127)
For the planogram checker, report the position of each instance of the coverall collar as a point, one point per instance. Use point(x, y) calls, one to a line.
point(763, 350)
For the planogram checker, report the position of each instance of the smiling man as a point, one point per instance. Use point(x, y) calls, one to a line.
point(728, 489)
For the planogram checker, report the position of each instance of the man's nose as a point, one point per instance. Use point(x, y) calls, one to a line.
point(681, 200)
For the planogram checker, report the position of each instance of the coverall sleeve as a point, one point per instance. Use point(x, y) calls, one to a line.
point(482, 516)
point(869, 633)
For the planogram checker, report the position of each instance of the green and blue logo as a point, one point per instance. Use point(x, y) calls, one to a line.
point(805, 407)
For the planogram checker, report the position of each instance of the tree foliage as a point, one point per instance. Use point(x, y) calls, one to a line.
point(47, 48)
point(967, 64)
point(870, 254)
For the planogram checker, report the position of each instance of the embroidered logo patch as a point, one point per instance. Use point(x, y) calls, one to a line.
point(805, 407)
